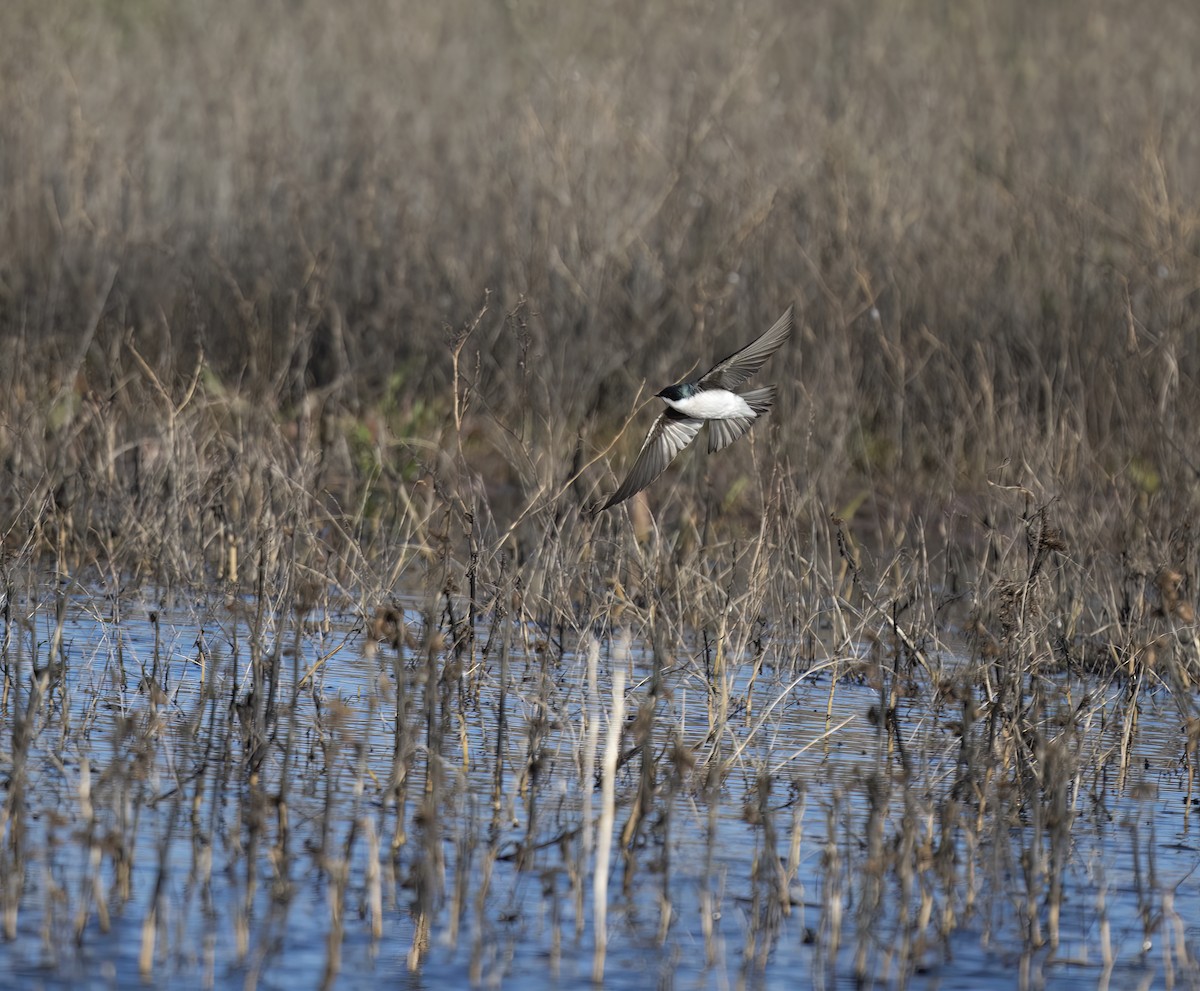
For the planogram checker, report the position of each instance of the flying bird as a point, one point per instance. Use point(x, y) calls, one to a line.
point(709, 399)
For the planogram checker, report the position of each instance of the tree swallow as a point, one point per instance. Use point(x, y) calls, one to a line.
point(708, 399)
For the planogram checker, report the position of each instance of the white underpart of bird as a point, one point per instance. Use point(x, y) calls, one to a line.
point(712, 404)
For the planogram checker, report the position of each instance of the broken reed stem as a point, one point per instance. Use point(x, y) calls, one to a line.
point(604, 830)
point(587, 778)
point(506, 633)
point(397, 789)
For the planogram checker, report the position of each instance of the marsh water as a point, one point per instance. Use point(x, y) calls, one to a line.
point(780, 833)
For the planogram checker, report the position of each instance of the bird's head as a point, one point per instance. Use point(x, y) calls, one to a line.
point(675, 393)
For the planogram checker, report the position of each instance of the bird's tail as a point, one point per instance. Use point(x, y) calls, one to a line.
point(722, 433)
point(760, 400)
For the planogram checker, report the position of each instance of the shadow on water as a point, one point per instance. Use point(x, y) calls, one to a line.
point(383, 813)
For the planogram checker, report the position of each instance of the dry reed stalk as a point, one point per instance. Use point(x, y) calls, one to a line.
point(587, 773)
point(604, 827)
point(502, 612)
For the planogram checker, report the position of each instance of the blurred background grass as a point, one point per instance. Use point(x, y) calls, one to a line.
point(236, 232)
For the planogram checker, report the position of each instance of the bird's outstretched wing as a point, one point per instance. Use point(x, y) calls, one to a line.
point(671, 433)
point(740, 365)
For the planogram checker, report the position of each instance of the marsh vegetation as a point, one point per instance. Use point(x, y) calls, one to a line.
point(323, 327)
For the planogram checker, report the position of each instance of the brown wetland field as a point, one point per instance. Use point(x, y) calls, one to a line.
point(324, 328)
